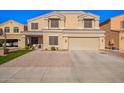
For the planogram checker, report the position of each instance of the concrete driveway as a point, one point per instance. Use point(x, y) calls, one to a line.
point(64, 66)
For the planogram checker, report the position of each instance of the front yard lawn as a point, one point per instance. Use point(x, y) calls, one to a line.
point(13, 55)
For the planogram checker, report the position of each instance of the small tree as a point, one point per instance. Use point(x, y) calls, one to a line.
point(1, 43)
point(4, 35)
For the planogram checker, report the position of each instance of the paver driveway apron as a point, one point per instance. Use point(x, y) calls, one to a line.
point(63, 66)
point(39, 66)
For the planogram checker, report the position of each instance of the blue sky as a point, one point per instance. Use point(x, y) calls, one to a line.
point(22, 15)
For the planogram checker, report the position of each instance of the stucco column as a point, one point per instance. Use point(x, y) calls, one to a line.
point(65, 43)
point(45, 41)
point(102, 43)
point(93, 23)
point(121, 41)
point(46, 22)
point(61, 24)
point(96, 24)
point(82, 22)
point(22, 41)
point(27, 40)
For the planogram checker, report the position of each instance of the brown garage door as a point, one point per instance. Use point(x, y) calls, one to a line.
point(83, 43)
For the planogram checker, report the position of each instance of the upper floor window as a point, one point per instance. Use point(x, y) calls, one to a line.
point(7, 29)
point(54, 23)
point(16, 29)
point(53, 40)
point(34, 25)
point(122, 24)
point(87, 23)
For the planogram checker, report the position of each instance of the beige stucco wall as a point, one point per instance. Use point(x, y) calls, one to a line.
point(69, 21)
point(11, 36)
point(116, 22)
point(116, 25)
point(110, 35)
point(63, 39)
point(22, 41)
point(114, 36)
point(43, 24)
point(121, 41)
point(46, 40)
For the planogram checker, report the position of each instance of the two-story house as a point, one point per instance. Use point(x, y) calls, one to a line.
point(65, 30)
point(114, 35)
point(13, 31)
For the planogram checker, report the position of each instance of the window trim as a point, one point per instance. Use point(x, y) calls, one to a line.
point(88, 25)
point(122, 24)
point(54, 25)
point(55, 42)
point(15, 28)
point(7, 29)
point(34, 26)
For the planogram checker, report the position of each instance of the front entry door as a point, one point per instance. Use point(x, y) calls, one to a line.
point(34, 40)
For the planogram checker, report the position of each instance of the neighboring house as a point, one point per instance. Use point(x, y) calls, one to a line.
point(114, 35)
point(64, 30)
point(68, 30)
point(13, 31)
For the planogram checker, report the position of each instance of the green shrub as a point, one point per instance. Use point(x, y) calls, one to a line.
point(46, 49)
point(1, 48)
point(39, 46)
point(32, 47)
point(27, 47)
point(57, 48)
point(53, 48)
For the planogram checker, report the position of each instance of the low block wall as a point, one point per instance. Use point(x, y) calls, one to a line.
point(3, 52)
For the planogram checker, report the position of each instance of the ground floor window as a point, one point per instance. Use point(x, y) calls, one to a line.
point(53, 40)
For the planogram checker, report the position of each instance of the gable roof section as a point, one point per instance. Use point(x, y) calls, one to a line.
point(60, 14)
point(35, 18)
point(105, 22)
point(11, 21)
point(108, 20)
point(89, 14)
point(72, 12)
point(117, 16)
point(47, 16)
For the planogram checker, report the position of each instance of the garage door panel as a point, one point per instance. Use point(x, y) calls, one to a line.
point(83, 43)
